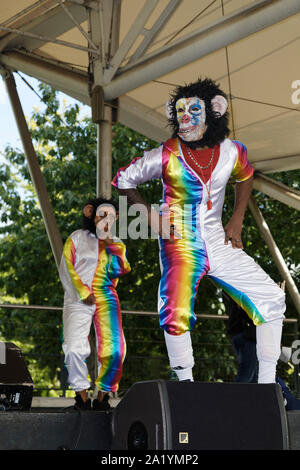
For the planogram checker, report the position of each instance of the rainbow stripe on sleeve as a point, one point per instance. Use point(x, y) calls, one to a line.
point(70, 257)
point(242, 169)
point(119, 264)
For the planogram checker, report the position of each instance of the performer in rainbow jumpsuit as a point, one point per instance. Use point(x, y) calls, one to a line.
point(195, 166)
point(89, 271)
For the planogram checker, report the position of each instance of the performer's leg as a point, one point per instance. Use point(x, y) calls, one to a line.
point(77, 321)
point(111, 344)
point(180, 352)
point(263, 300)
point(183, 263)
point(268, 336)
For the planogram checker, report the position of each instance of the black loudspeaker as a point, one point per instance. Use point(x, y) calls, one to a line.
point(171, 415)
point(293, 418)
point(16, 386)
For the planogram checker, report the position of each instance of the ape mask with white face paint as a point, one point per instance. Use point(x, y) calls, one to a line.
point(99, 215)
point(198, 114)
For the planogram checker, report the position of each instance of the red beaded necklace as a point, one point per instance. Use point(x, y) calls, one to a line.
point(208, 187)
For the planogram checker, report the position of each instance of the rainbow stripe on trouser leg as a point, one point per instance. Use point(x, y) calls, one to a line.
point(183, 261)
point(111, 346)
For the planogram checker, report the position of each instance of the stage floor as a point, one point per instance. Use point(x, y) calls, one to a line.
point(61, 402)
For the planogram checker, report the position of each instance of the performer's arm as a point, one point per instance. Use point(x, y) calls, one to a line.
point(82, 289)
point(243, 174)
point(154, 219)
point(137, 172)
point(118, 263)
point(233, 229)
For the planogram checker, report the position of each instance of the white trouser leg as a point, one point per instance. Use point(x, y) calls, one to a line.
point(244, 280)
point(286, 354)
point(77, 319)
point(268, 337)
point(180, 352)
point(75, 356)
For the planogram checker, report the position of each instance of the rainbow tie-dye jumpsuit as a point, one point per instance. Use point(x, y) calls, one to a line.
point(89, 266)
point(201, 250)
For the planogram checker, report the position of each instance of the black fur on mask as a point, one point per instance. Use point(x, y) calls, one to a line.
point(217, 127)
point(88, 223)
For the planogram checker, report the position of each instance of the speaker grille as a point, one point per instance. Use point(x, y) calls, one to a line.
point(160, 415)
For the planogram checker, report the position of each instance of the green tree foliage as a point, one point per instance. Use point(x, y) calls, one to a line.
point(66, 150)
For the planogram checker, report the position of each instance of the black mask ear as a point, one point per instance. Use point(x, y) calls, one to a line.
point(88, 222)
point(87, 212)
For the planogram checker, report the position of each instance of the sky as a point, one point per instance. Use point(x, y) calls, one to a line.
point(29, 100)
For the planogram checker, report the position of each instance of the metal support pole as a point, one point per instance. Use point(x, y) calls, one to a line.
point(34, 169)
point(104, 27)
point(277, 190)
point(104, 153)
point(277, 256)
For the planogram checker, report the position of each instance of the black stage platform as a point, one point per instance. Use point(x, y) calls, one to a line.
point(53, 429)
point(152, 415)
point(49, 429)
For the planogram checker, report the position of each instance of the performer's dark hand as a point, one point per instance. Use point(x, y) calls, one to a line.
point(162, 227)
point(233, 231)
point(90, 300)
point(108, 240)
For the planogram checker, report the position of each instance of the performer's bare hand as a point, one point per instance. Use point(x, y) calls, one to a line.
point(90, 300)
point(233, 231)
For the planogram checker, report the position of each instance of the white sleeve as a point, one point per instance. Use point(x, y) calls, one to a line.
point(66, 281)
point(140, 170)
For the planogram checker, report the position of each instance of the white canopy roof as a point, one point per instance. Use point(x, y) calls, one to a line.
point(161, 43)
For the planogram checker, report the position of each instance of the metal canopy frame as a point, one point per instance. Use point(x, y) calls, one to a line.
point(110, 74)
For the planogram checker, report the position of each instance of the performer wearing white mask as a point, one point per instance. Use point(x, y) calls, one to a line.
point(92, 262)
point(195, 166)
